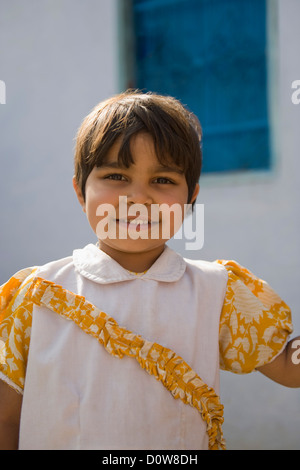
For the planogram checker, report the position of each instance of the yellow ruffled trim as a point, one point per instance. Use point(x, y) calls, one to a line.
point(167, 367)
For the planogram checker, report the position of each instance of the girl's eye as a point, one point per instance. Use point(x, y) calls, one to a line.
point(115, 176)
point(162, 180)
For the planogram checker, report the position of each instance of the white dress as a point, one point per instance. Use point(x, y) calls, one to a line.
point(76, 395)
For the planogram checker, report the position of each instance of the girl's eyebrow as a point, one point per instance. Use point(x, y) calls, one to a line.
point(157, 169)
point(168, 169)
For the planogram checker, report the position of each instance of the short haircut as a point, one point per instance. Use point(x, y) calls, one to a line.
point(176, 134)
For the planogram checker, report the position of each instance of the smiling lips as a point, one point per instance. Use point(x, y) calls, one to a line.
point(137, 222)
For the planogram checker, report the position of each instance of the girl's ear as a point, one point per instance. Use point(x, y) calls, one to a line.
point(79, 194)
point(195, 193)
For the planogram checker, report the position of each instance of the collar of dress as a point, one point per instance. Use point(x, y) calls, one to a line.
point(94, 264)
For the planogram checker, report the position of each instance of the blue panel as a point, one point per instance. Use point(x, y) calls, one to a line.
point(211, 54)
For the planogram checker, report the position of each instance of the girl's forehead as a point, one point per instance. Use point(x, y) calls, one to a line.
point(141, 151)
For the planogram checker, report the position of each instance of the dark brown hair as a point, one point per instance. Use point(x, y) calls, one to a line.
point(176, 133)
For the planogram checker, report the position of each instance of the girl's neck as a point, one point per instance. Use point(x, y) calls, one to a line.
point(135, 262)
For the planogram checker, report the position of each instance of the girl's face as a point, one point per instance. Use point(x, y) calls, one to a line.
point(122, 204)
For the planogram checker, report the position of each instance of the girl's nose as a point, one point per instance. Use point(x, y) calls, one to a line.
point(139, 194)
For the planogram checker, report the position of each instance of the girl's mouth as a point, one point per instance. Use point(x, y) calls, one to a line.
point(136, 224)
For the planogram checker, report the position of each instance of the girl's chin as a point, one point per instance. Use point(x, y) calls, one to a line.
point(131, 246)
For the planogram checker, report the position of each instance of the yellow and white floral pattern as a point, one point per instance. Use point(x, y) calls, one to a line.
point(15, 328)
point(255, 322)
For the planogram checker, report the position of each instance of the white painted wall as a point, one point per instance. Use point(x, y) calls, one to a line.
point(58, 59)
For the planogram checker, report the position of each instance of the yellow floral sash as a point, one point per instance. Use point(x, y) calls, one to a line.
point(166, 366)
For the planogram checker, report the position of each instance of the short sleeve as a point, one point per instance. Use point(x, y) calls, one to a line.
point(255, 322)
point(15, 327)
